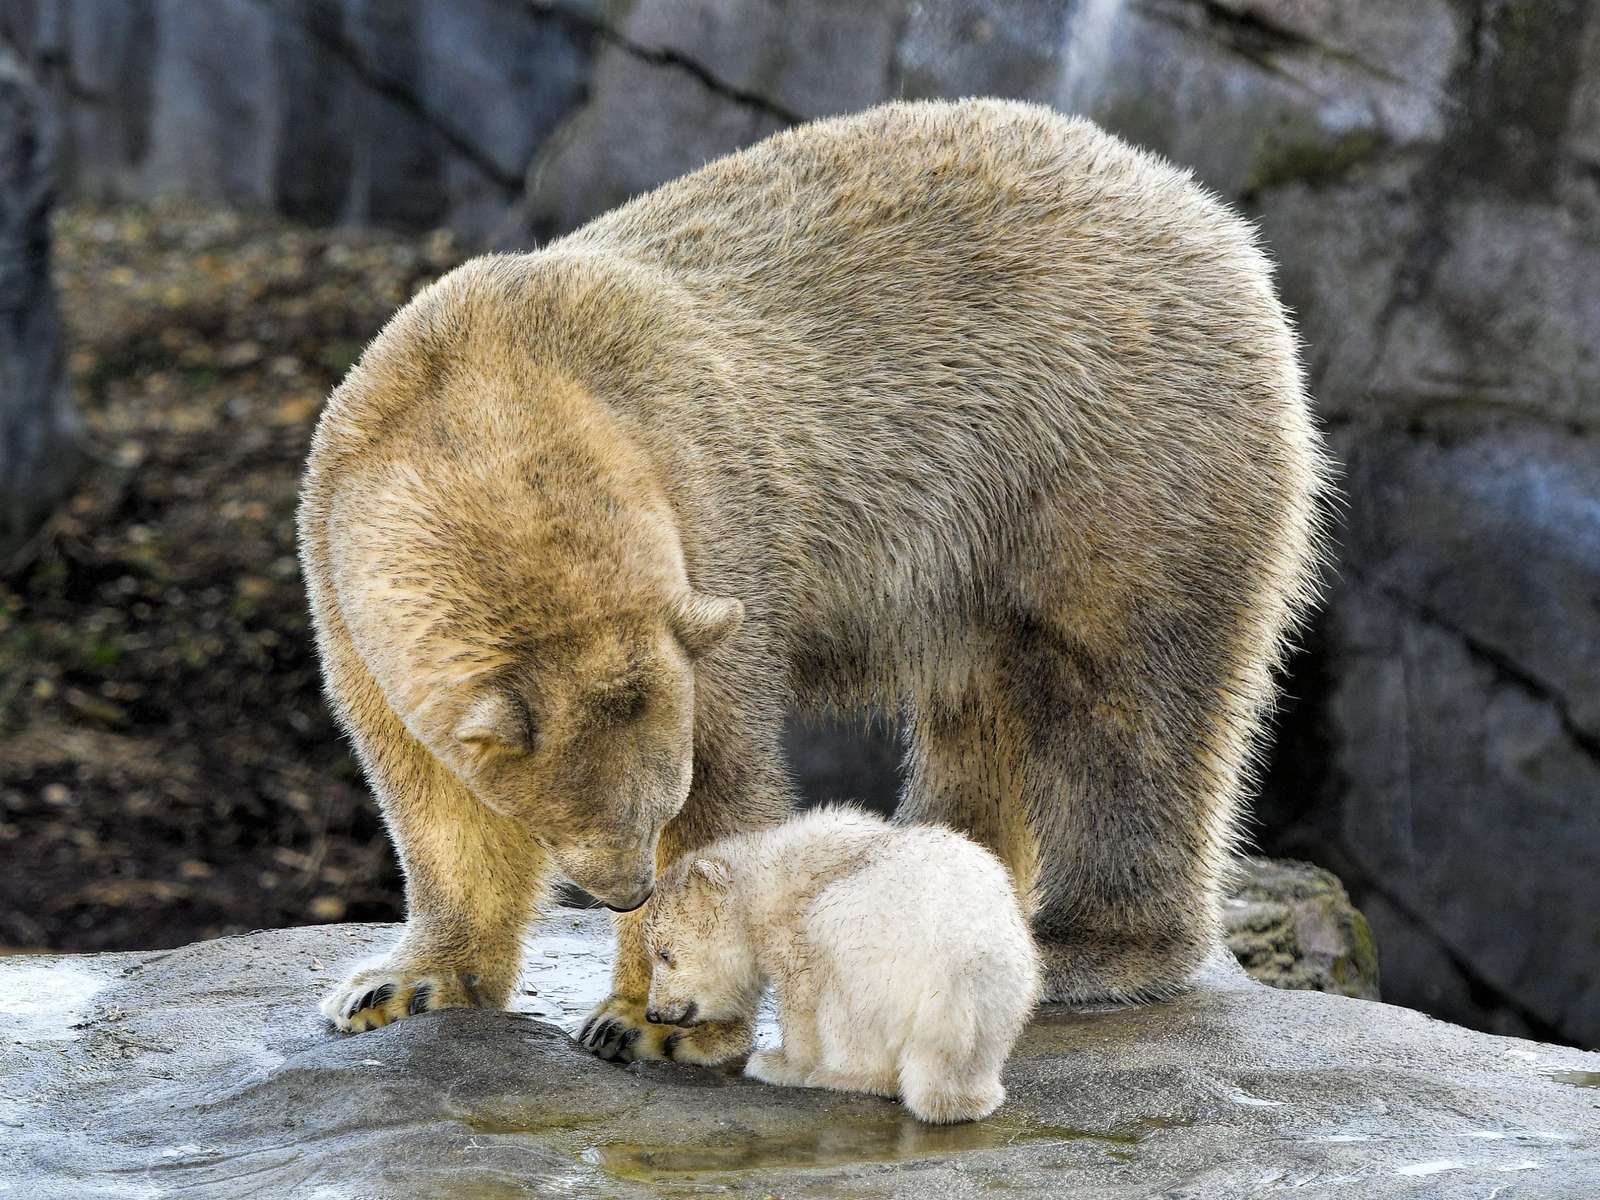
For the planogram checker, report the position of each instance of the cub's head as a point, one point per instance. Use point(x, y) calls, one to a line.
point(704, 966)
point(587, 737)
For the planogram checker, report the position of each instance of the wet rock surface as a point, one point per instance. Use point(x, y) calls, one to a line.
point(206, 1071)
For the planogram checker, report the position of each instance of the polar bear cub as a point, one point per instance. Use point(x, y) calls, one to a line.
point(900, 956)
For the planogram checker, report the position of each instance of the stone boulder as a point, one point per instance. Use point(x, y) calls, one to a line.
point(206, 1072)
point(1291, 925)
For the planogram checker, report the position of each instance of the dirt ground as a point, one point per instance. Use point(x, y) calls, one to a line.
point(168, 770)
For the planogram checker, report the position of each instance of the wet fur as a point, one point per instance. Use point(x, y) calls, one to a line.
point(986, 417)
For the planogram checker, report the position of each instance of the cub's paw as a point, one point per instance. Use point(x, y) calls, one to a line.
point(381, 994)
point(772, 1066)
point(618, 1032)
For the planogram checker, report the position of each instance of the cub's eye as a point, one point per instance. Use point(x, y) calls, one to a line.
point(664, 955)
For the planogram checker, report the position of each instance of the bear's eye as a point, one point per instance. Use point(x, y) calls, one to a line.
point(621, 703)
point(664, 955)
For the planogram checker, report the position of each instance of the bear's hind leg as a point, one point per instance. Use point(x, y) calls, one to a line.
point(949, 1063)
point(849, 1053)
point(1132, 781)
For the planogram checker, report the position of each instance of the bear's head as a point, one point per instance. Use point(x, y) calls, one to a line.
point(509, 570)
point(703, 960)
point(588, 738)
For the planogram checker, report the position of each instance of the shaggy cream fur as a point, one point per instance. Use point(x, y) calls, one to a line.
point(967, 410)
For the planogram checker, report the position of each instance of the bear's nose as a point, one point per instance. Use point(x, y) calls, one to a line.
point(636, 902)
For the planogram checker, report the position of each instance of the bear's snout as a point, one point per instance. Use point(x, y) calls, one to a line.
point(629, 906)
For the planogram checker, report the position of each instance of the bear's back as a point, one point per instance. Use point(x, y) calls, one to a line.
point(919, 202)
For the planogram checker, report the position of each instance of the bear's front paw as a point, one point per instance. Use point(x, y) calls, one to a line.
point(385, 993)
point(618, 1032)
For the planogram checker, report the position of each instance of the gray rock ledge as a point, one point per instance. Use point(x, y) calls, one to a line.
point(206, 1071)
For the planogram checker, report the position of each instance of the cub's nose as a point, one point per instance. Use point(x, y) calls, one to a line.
point(653, 1016)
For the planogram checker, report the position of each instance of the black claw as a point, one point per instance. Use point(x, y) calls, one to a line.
point(358, 1005)
point(583, 1034)
point(670, 1046)
point(628, 1039)
point(419, 999)
point(610, 1039)
point(382, 996)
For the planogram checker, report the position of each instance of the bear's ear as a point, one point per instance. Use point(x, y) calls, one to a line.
point(702, 622)
point(712, 872)
point(496, 721)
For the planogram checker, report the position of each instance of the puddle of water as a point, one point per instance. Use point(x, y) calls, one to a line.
point(536, 1121)
point(890, 1138)
point(1588, 1079)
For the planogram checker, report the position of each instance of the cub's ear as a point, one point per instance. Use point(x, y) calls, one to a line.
point(496, 721)
point(702, 622)
point(712, 872)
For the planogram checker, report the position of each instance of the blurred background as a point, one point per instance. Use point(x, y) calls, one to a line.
point(207, 208)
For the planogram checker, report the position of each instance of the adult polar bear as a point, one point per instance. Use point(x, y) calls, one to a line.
point(968, 409)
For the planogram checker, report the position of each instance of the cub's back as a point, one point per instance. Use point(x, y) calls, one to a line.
point(927, 907)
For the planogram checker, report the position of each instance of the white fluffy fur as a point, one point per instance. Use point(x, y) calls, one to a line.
point(900, 956)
